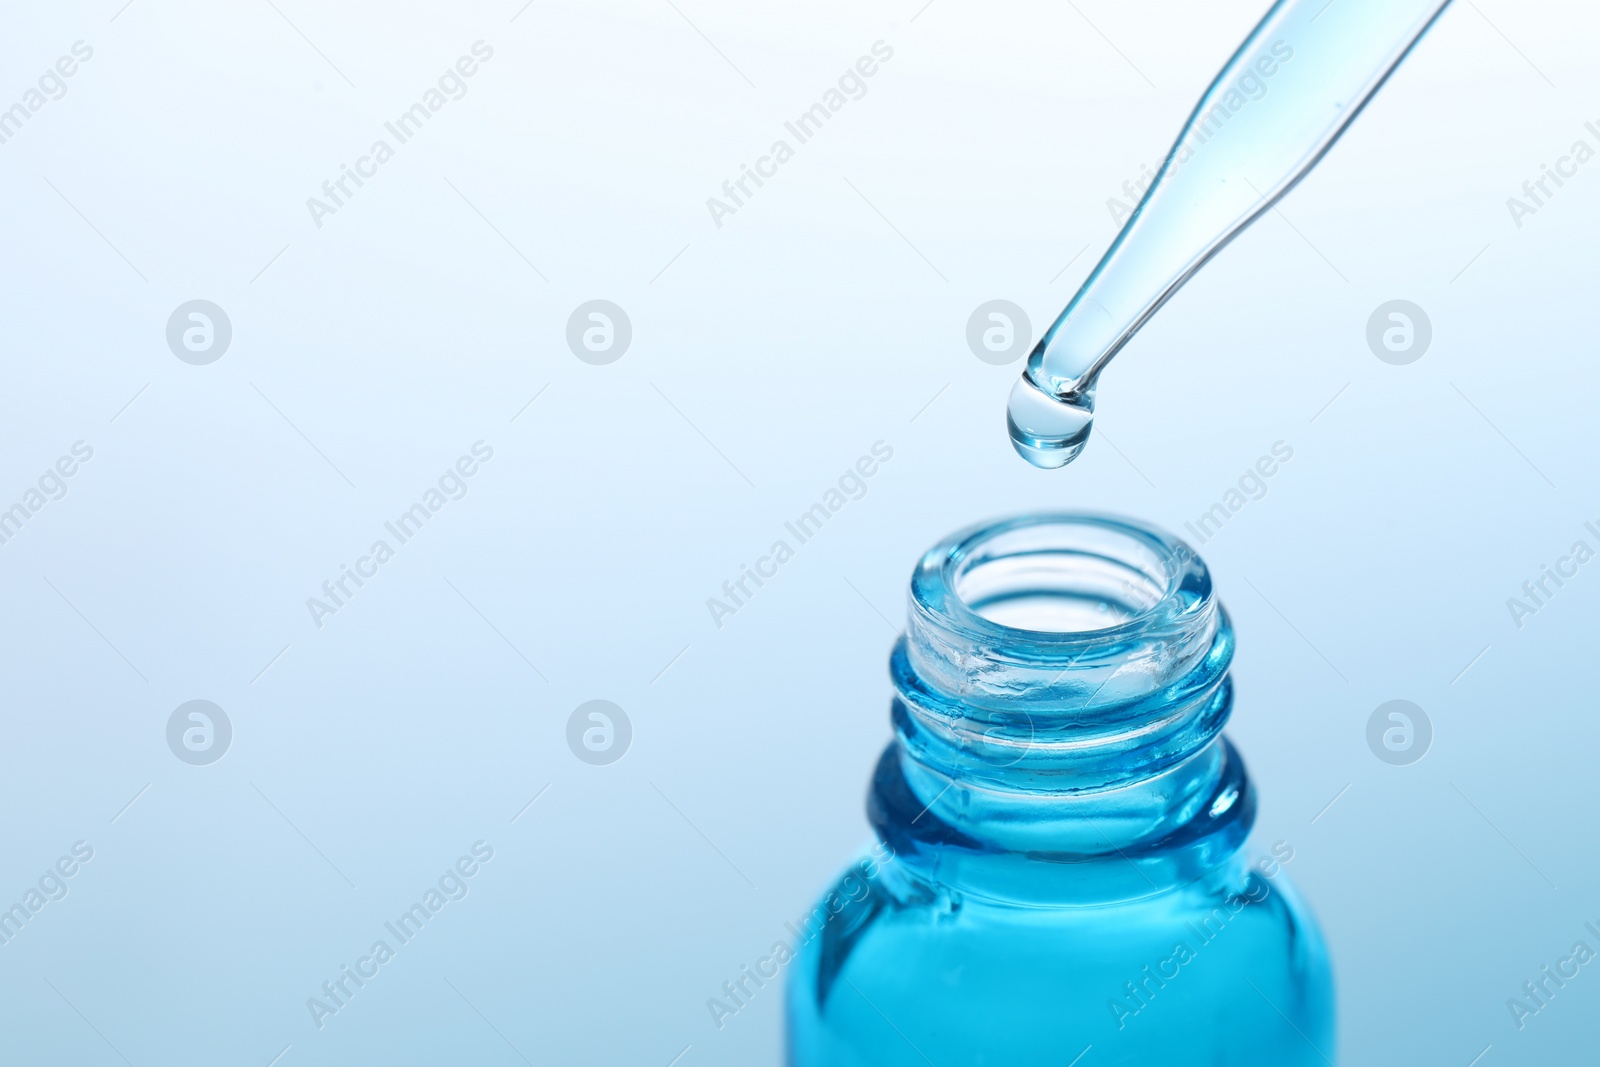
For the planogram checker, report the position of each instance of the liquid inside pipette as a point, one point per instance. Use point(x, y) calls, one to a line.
point(1294, 85)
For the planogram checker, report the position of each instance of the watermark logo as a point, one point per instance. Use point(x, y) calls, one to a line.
point(848, 894)
point(1399, 332)
point(599, 732)
point(1252, 485)
point(51, 887)
point(452, 885)
point(1566, 168)
point(451, 485)
point(1399, 732)
point(51, 86)
point(451, 85)
point(999, 332)
point(852, 485)
point(599, 332)
point(51, 486)
point(199, 732)
point(1199, 931)
point(1006, 742)
point(1538, 992)
point(1537, 592)
point(1216, 110)
point(199, 332)
point(851, 85)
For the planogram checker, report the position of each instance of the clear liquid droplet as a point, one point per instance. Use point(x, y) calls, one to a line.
point(1046, 431)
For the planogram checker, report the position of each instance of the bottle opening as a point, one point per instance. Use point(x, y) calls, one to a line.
point(1071, 619)
point(1062, 575)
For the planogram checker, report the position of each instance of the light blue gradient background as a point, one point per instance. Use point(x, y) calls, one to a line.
point(793, 337)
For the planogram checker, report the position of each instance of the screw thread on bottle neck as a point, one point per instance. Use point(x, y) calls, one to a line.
point(1060, 691)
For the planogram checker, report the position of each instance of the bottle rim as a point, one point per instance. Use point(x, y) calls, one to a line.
point(1061, 651)
point(957, 583)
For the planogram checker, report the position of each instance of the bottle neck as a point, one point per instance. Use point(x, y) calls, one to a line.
point(1060, 692)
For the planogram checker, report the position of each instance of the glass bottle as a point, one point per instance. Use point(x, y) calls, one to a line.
point(1059, 875)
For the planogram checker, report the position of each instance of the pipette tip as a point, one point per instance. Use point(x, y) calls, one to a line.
point(1047, 431)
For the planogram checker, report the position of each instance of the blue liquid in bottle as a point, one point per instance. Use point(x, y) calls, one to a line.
point(1060, 868)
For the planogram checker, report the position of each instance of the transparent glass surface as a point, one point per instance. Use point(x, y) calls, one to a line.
point(1060, 868)
point(1294, 85)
